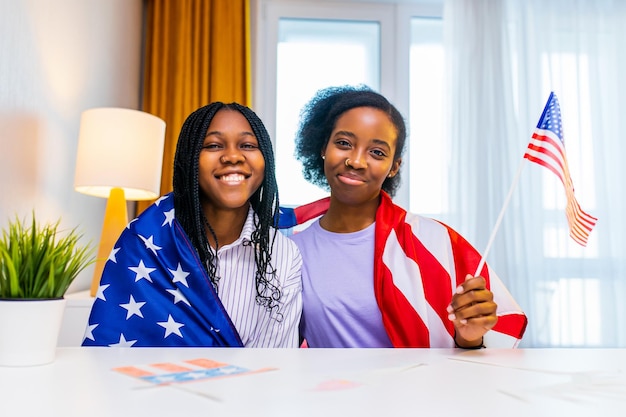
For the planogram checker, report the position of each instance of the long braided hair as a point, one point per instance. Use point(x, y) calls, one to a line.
point(264, 201)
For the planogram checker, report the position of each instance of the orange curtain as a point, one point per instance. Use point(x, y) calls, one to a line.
point(196, 52)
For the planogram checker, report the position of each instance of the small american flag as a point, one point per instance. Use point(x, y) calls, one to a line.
point(547, 149)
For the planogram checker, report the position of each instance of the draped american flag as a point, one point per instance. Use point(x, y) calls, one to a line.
point(418, 264)
point(547, 149)
point(154, 290)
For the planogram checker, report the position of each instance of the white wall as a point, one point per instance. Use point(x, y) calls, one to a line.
point(57, 59)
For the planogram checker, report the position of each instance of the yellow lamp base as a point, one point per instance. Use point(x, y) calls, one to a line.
point(115, 220)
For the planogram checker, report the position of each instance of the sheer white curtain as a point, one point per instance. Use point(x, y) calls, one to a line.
point(503, 59)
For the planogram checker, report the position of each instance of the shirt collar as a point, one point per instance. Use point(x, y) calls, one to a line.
point(246, 231)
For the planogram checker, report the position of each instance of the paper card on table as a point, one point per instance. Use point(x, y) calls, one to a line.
point(369, 377)
point(576, 384)
point(186, 371)
point(336, 385)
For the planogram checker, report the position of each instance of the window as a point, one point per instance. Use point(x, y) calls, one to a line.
point(313, 54)
point(570, 293)
point(428, 151)
point(304, 46)
point(573, 304)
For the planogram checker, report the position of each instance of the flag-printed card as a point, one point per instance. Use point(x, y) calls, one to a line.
point(187, 371)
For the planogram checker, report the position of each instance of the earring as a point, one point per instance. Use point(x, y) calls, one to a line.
point(323, 156)
point(347, 162)
point(222, 159)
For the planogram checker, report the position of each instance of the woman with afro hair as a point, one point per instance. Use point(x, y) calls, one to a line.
point(205, 265)
point(373, 274)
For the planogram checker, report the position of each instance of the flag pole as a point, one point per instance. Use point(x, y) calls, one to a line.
point(500, 216)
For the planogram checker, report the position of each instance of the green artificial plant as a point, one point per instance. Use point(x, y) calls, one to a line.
point(39, 261)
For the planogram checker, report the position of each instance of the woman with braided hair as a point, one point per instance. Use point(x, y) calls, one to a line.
point(205, 264)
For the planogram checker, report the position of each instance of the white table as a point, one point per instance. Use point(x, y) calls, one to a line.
point(325, 383)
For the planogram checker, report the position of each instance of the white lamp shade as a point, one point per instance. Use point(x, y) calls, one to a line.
point(119, 148)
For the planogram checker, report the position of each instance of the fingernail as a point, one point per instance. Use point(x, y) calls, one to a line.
point(451, 317)
point(463, 321)
point(459, 289)
point(449, 309)
point(468, 276)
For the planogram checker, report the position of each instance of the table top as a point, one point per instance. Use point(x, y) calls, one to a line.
point(318, 382)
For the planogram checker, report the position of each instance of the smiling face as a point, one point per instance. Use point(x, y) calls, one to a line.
point(366, 138)
point(231, 165)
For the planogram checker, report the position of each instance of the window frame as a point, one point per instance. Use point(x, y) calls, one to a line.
point(394, 18)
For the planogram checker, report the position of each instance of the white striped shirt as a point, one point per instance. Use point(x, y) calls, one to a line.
point(237, 290)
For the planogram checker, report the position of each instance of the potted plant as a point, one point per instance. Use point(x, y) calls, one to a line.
point(37, 265)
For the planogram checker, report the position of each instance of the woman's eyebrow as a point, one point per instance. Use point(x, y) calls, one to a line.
point(345, 133)
point(382, 142)
point(219, 133)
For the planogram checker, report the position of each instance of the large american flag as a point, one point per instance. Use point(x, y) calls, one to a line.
point(154, 290)
point(418, 264)
point(547, 149)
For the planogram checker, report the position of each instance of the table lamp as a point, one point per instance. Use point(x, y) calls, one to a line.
point(120, 156)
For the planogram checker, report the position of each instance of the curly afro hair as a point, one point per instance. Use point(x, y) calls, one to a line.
point(317, 121)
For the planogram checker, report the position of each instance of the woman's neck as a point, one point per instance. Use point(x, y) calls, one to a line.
point(226, 224)
point(347, 218)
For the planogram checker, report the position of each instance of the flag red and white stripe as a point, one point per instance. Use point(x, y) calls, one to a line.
point(418, 264)
point(547, 149)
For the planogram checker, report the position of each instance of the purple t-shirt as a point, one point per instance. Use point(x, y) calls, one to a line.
point(339, 306)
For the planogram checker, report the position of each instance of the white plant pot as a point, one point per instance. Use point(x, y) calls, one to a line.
point(29, 330)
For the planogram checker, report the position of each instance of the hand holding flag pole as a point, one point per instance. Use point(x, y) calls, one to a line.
point(547, 149)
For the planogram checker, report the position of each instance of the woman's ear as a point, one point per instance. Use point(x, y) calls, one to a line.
point(395, 167)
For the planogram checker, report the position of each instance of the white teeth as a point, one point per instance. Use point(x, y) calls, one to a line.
point(233, 178)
